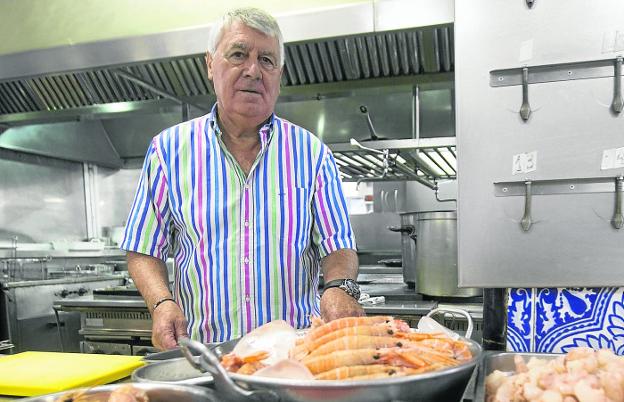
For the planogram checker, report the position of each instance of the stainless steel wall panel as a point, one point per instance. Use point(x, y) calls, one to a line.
point(42, 198)
point(116, 190)
point(572, 242)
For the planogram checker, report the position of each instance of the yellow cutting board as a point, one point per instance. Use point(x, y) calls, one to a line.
point(38, 373)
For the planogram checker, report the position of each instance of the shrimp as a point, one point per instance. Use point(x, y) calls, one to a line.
point(373, 370)
point(345, 322)
point(356, 342)
point(320, 364)
point(343, 373)
point(302, 349)
point(233, 363)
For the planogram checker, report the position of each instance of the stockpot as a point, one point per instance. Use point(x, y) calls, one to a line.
point(436, 255)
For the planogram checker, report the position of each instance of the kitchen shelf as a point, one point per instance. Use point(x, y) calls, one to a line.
point(425, 160)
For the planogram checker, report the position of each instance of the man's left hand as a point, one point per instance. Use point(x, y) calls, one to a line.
point(336, 303)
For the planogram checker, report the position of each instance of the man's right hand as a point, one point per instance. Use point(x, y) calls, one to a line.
point(168, 325)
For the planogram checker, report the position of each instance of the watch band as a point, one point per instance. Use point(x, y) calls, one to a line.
point(349, 286)
point(161, 301)
point(336, 283)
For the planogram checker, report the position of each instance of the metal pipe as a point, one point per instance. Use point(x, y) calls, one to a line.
point(494, 319)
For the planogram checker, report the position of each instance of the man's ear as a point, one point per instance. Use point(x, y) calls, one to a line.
point(209, 60)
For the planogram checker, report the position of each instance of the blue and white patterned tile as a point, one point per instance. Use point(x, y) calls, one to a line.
point(569, 317)
point(520, 320)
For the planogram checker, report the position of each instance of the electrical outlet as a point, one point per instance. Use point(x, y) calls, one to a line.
point(619, 158)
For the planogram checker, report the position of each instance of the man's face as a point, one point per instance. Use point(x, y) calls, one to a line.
point(246, 72)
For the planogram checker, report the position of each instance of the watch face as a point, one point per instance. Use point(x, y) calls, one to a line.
point(352, 288)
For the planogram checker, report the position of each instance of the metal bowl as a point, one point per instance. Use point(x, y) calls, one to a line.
point(155, 392)
point(172, 371)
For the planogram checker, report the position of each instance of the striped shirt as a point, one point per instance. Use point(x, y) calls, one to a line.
point(246, 248)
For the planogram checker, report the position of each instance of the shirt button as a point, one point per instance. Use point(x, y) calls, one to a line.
point(247, 298)
point(247, 186)
point(246, 224)
point(246, 260)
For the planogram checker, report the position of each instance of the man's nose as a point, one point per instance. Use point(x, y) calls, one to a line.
point(252, 69)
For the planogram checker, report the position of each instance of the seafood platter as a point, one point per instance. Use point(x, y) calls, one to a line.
point(361, 359)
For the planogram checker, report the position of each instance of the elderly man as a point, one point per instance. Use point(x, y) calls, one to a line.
point(247, 203)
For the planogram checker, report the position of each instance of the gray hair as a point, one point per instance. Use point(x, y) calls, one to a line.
point(251, 17)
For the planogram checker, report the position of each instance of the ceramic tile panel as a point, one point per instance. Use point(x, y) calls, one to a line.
point(520, 320)
point(553, 320)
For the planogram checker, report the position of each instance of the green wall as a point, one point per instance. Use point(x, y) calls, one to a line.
point(35, 24)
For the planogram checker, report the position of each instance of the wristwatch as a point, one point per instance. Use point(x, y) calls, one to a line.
point(348, 285)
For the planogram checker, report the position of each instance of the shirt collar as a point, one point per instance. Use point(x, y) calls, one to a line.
point(265, 132)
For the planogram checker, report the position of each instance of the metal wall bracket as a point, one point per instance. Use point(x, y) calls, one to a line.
point(562, 186)
point(556, 72)
point(561, 72)
point(556, 186)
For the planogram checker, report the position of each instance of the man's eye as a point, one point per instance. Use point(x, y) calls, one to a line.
point(237, 56)
point(267, 62)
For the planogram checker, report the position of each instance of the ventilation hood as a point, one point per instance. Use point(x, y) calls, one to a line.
point(330, 53)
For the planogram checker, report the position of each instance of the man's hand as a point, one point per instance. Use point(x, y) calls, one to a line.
point(168, 325)
point(336, 303)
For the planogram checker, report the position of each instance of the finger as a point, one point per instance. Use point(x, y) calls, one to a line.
point(180, 329)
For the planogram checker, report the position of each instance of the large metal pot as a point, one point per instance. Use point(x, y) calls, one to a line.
point(436, 255)
point(408, 247)
point(155, 392)
point(443, 385)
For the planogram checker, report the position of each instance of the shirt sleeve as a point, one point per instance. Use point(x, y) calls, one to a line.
point(148, 223)
point(332, 229)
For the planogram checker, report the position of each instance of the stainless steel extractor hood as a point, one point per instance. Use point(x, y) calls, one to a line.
point(330, 53)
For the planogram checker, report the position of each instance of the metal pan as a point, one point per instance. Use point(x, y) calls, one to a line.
point(172, 371)
point(155, 392)
point(443, 385)
point(502, 361)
